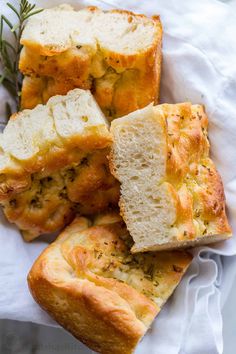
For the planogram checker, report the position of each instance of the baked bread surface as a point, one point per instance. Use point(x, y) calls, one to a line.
point(53, 164)
point(116, 54)
point(90, 283)
point(171, 193)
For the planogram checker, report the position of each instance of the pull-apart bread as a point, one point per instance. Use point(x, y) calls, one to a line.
point(53, 164)
point(171, 193)
point(90, 283)
point(116, 54)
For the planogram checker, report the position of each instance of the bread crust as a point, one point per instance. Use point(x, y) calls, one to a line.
point(75, 280)
point(42, 192)
point(175, 245)
point(195, 187)
point(120, 82)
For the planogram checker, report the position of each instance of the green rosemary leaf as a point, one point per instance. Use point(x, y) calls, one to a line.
point(2, 77)
point(10, 77)
point(10, 46)
point(7, 21)
point(1, 30)
point(22, 8)
point(9, 86)
point(8, 110)
point(6, 58)
point(26, 7)
point(13, 9)
point(32, 13)
point(10, 25)
point(31, 7)
point(15, 27)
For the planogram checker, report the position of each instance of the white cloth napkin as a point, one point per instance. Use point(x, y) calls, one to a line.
point(200, 66)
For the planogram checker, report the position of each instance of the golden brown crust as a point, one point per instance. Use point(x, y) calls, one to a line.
point(33, 91)
point(59, 176)
point(50, 200)
point(195, 190)
point(121, 83)
point(175, 245)
point(200, 192)
point(89, 282)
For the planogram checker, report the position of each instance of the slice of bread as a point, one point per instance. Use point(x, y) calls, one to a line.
point(53, 164)
point(171, 194)
point(116, 54)
point(74, 120)
point(91, 284)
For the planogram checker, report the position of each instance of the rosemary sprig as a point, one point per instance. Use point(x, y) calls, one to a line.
point(10, 76)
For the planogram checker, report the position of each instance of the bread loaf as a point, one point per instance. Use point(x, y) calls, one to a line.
point(53, 164)
point(171, 193)
point(91, 284)
point(116, 54)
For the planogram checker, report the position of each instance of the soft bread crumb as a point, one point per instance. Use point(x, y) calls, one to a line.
point(116, 54)
point(89, 26)
point(171, 194)
point(53, 164)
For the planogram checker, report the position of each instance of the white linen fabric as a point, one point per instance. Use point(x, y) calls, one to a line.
point(199, 65)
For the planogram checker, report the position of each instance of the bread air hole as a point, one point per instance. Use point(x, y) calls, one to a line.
point(36, 203)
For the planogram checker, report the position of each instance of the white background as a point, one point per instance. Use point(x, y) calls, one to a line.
point(26, 338)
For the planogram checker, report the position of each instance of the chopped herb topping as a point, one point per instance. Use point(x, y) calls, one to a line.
point(84, 162)
point(199, 116)
point(13, 203)
point(84, 118)
point(35, 203)
point(150, 271)
point(44, 182)
point(71, 174)
point(177, 269)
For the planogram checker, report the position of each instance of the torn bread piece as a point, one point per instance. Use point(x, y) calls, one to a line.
point(53, 164)
point(116, 54)
point(91, 284)
point(171, 193)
